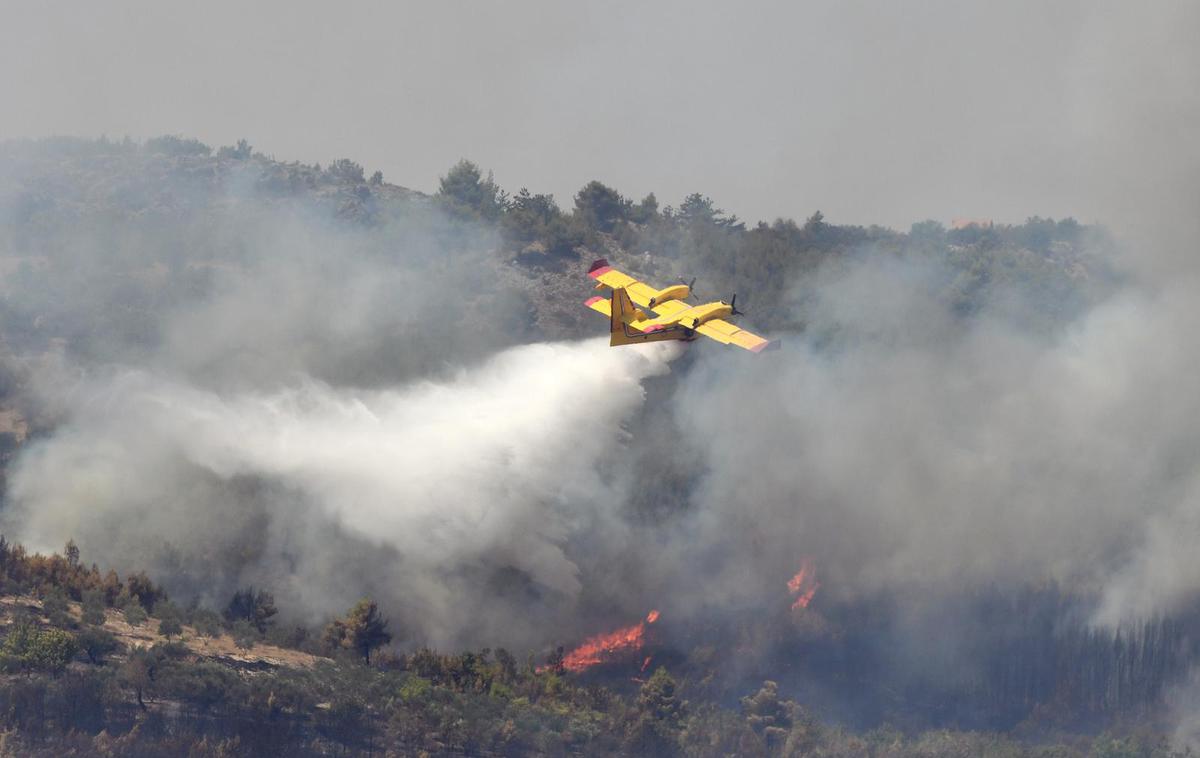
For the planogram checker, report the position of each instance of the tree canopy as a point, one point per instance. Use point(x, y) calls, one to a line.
point(466, 192)
point(362, 630)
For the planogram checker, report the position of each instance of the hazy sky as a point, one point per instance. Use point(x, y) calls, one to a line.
point(873, 112)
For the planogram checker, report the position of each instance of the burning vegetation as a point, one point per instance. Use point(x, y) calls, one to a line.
point(804, 585)
point(610, 647)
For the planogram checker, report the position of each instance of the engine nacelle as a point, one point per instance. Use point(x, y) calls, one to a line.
point(677, 292)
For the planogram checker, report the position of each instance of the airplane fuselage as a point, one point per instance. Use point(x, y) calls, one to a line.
point(694, 316)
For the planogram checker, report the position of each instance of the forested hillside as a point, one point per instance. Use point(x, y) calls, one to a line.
point(92, 252)
point(280, 598)
point(96, 665)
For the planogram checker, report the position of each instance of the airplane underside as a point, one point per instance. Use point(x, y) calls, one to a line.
point(627, 335)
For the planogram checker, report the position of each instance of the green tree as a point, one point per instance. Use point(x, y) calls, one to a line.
point(112, 588)
point(528, 216)
point(346, 170)
point(169, 144)
point(245, 634)
point(656, 722)
point(97, 643)
point(928, 231)
point(697, 208)
point(93, 607)
point(136, 674)
point(769, 716)
point(145, 591)
point(52, 650)
point(815, 224)
point(601, 207)
point(135, 614)
point(658, 699)
point(56, 608)
point(169, 624)
point(206, 622)
point(362, 630)
point(71, 553)
point(256, 607)
point(16, 644)
point(239, 152)
point(1037, 233)
point(28, 647)
point(535, 218)
point(645, 211)
point(465, 192)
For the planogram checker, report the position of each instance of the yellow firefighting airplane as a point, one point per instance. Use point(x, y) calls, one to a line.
point(675, 319)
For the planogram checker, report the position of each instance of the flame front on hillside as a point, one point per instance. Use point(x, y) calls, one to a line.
point(804, 585)
point(606, 647)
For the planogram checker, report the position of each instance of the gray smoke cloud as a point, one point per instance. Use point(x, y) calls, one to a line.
point(913, 451)
point(916, 452)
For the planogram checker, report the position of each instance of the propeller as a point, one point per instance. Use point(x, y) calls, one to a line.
point(733, 305)
point(690, 284)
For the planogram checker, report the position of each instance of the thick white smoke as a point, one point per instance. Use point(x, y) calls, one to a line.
point(434, 487)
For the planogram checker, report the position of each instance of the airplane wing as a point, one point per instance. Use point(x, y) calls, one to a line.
point(639, 292)
point(669, 307)
point(731, 334)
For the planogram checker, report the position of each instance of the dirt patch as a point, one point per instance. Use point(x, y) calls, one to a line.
point(221, 649)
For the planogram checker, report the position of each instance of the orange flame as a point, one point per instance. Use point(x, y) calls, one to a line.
point(804, 585)
point(604, 647)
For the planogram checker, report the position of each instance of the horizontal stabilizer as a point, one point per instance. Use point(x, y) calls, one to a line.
point(600, 304)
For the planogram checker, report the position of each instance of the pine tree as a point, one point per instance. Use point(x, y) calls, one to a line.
point(362, 630)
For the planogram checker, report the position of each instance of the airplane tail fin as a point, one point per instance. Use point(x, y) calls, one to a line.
point(623, 311)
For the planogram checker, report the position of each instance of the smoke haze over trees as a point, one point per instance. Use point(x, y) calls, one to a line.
point(343, 466)
point(241, 372)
